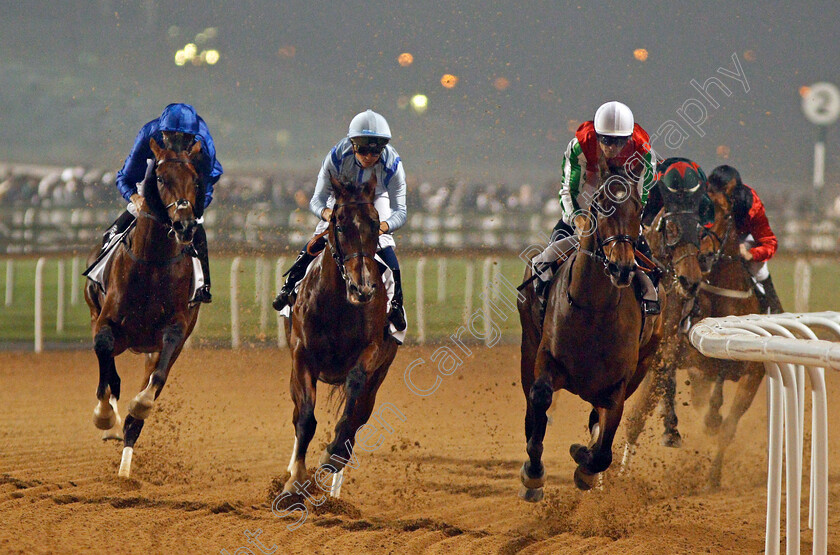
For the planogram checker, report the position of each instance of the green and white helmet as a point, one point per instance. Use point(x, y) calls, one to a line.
point(614, 119)
point(369, 124)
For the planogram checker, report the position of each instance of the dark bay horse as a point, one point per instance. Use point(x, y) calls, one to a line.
point(336, 332)
point(591, 342)
point(674, 237)
point(146, 304)
point(727, 290)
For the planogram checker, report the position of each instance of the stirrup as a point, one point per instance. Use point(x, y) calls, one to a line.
point(282, 300)
point(650, 307)
point(397, 317)
point(202, 295)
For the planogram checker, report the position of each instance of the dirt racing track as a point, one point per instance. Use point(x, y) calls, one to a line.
point(444, 481)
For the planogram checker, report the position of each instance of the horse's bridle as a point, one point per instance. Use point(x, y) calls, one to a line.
point(719, 254)
point(335, 250)
point(178, 203)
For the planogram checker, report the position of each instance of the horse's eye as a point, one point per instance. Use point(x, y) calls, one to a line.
point(339, 229)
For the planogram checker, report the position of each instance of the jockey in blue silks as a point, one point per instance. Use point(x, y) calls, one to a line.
point(365, 152)
point(177, 129)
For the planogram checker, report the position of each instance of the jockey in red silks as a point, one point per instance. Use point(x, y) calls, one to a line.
point(758, 242)
point(612, 138)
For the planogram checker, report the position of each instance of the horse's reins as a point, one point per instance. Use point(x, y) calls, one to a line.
point(717, 257)
point(179, 203)
point(337, 254)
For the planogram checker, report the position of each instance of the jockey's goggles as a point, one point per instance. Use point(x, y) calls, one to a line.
point(369, 148)
point(609, 140)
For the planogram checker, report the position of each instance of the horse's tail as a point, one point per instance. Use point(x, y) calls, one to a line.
point(336, 398)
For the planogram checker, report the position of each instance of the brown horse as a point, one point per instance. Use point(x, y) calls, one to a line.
point(592, 341)
point(146, 307)
point(727, 290)
point(674, 236)
point(337, 331)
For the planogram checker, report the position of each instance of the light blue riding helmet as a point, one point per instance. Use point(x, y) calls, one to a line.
point(369, 124)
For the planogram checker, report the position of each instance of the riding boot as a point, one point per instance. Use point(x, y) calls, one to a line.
point(397, 314)
point(768, 299)
point(119, 225)
point(294, 275)
point(648, 293)
point(656, 273)
point(200, 249)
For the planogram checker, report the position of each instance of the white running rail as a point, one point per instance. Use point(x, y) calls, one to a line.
point(789, 349)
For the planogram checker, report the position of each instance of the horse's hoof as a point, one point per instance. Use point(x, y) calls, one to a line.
point(140, 407)
point(580, 453)
point(534, 495)
point(104, 421)
point(328, 460)
point(115, 432)
point(671, 439)
point(583, 479)
point(531, 482)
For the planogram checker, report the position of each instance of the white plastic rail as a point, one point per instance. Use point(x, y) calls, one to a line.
point(789, 349)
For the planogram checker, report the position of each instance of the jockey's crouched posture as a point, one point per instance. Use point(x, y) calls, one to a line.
point(614, 139)
point(757, 241)
point(177, 129)
point(364, 152)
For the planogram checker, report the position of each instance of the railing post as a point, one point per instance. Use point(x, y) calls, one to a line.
point(420, 301)
point(10, 281)
point(59, 313)
point(39, 302)
point(234, 302)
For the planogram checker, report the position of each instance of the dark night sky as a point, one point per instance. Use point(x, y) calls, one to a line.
point(79, 79)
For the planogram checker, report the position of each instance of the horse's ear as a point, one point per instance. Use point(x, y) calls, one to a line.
point(369, 190)
point(156, 149)
point(195, 151)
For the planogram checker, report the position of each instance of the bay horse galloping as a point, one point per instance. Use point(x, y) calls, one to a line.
point(674, 235)
point(337, 331)
point(727, 290)
point(592, 341)
point(146, 303)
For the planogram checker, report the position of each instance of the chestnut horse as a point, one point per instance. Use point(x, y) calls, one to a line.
point(592, 341)
point(337, 331)
point(674, 236)
point(146, 305)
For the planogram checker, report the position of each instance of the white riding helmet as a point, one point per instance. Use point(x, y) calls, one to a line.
point(614, 119)
point(369, 124)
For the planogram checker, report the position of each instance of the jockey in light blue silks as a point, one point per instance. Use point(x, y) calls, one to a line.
point(365, 152)
point(177, 128)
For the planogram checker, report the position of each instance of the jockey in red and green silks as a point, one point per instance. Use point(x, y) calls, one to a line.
point(581, 162)
point(614, 139)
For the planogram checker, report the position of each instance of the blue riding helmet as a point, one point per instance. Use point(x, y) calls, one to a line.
point(179, 118)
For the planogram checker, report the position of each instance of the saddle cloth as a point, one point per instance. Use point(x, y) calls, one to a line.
point(97, 271)
point(387, 280)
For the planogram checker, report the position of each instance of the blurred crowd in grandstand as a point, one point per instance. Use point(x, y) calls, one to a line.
point(51, 187)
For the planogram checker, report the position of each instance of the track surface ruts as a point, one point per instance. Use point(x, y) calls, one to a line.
point(445, 480)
